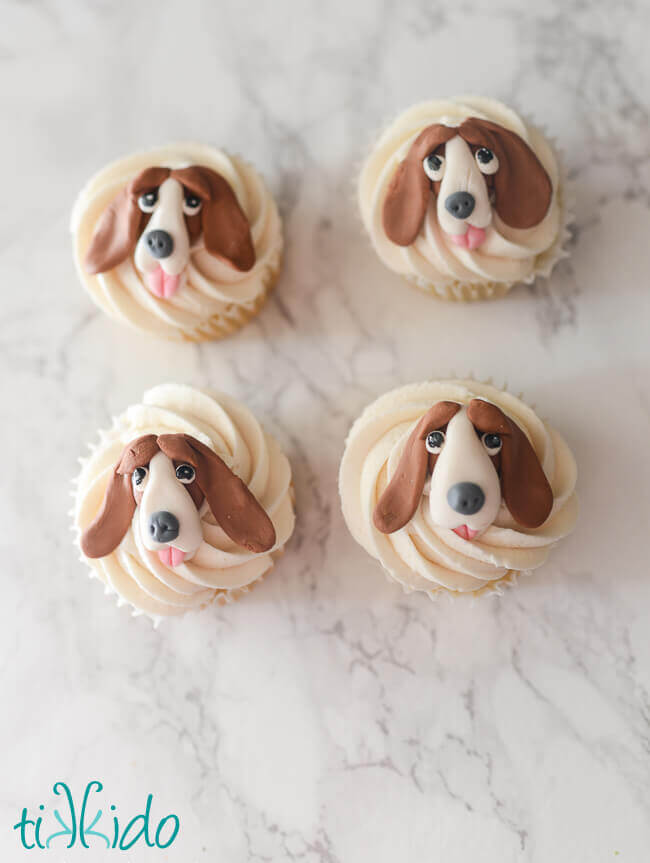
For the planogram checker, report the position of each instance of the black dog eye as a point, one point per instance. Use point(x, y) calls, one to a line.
point(486, 160)
point(191, 204)
point(434, 166)
point(185, 473)
point(434, 442)
point(138, 476)
point(492, 442)
point(148, 201)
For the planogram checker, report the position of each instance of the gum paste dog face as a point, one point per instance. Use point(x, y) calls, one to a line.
point(167, 478)
point(161, 216)
point(475, 457)
point(471, 170)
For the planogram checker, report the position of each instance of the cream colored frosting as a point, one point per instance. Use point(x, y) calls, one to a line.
point(212, 289)
point(422, 556)
point(219, 569)
point(508, 255)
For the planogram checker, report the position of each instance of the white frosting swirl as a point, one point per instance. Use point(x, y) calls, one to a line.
point(422, 556)
point(433, 261)
point(219, 569)
point(215, 298)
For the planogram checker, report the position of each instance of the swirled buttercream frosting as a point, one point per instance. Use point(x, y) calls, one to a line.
point(456, 486)
point(464, 198)
point(185, 500)
point(183, 241)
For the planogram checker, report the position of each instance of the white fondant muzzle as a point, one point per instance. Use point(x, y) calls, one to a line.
point(465, 490)
point(164, 495)
point(462, 174)
point(163, 251)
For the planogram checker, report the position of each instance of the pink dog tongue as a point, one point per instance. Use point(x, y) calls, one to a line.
point(465, 532)
point(471, 240)
point(161, 284)
point(171, 556)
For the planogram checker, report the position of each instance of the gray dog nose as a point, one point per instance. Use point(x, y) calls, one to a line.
point(460, 204)
point(163, 526)
point(159, 243)
point(466, 497)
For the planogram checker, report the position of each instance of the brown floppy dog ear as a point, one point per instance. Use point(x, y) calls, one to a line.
point(232, 503)
point(121, 223)
point(522, 188)
point(401, 498)
point(526, 491)
point(408, 193)
point(106, 531)
point(226, 230)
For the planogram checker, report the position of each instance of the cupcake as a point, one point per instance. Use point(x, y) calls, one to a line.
point(464, 199)
point(182, 241)
point(456, 487)
point(184, 501)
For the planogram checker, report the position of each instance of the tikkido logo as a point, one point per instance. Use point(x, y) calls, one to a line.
point(72, 826)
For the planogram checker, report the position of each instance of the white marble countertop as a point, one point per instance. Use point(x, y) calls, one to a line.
point(328, 717)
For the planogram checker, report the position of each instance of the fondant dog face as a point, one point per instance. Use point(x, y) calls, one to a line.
point(476, 456)
point(470, 169)
point(167, 478)
point(160, 216)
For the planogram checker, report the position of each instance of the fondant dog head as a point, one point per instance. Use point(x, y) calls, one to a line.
point(470, 169)
point(167, 478)
point(476, 456)
point(160, 215)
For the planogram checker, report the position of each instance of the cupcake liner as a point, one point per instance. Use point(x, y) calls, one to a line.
point(220, 326)
point(494, 589)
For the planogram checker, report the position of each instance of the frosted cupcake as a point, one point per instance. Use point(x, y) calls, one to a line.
point(186, 500)
point(456, 487)
point(464, 199)
point(182, 241)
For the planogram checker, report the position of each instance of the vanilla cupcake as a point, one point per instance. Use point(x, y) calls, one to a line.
point(464, 199)
point(456, 487)
point(186, 500)
point(183, 241)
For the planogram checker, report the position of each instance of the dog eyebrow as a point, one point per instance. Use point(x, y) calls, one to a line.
point(191, 178)
point(149, 179)
point(176, 447)
point(138, 453)
point(487, 417)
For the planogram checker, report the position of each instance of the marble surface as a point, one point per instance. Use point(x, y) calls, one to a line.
point(328, 717)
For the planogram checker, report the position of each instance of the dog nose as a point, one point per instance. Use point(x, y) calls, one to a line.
point(466, 497)
point(163, 526)
point(159, 243)
point(460, 204)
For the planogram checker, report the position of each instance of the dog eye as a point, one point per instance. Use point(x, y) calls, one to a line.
point(185, 473)
point(434, 442)
point(492, 443)
point(138, 477)
point(191, 204)
point(148, 201)
point(434, 166)
point(487, 161)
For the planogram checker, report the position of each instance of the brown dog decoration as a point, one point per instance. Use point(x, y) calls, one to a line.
point(160, 216)
point(476, 457)
point(166, 478)
point(471, 170)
